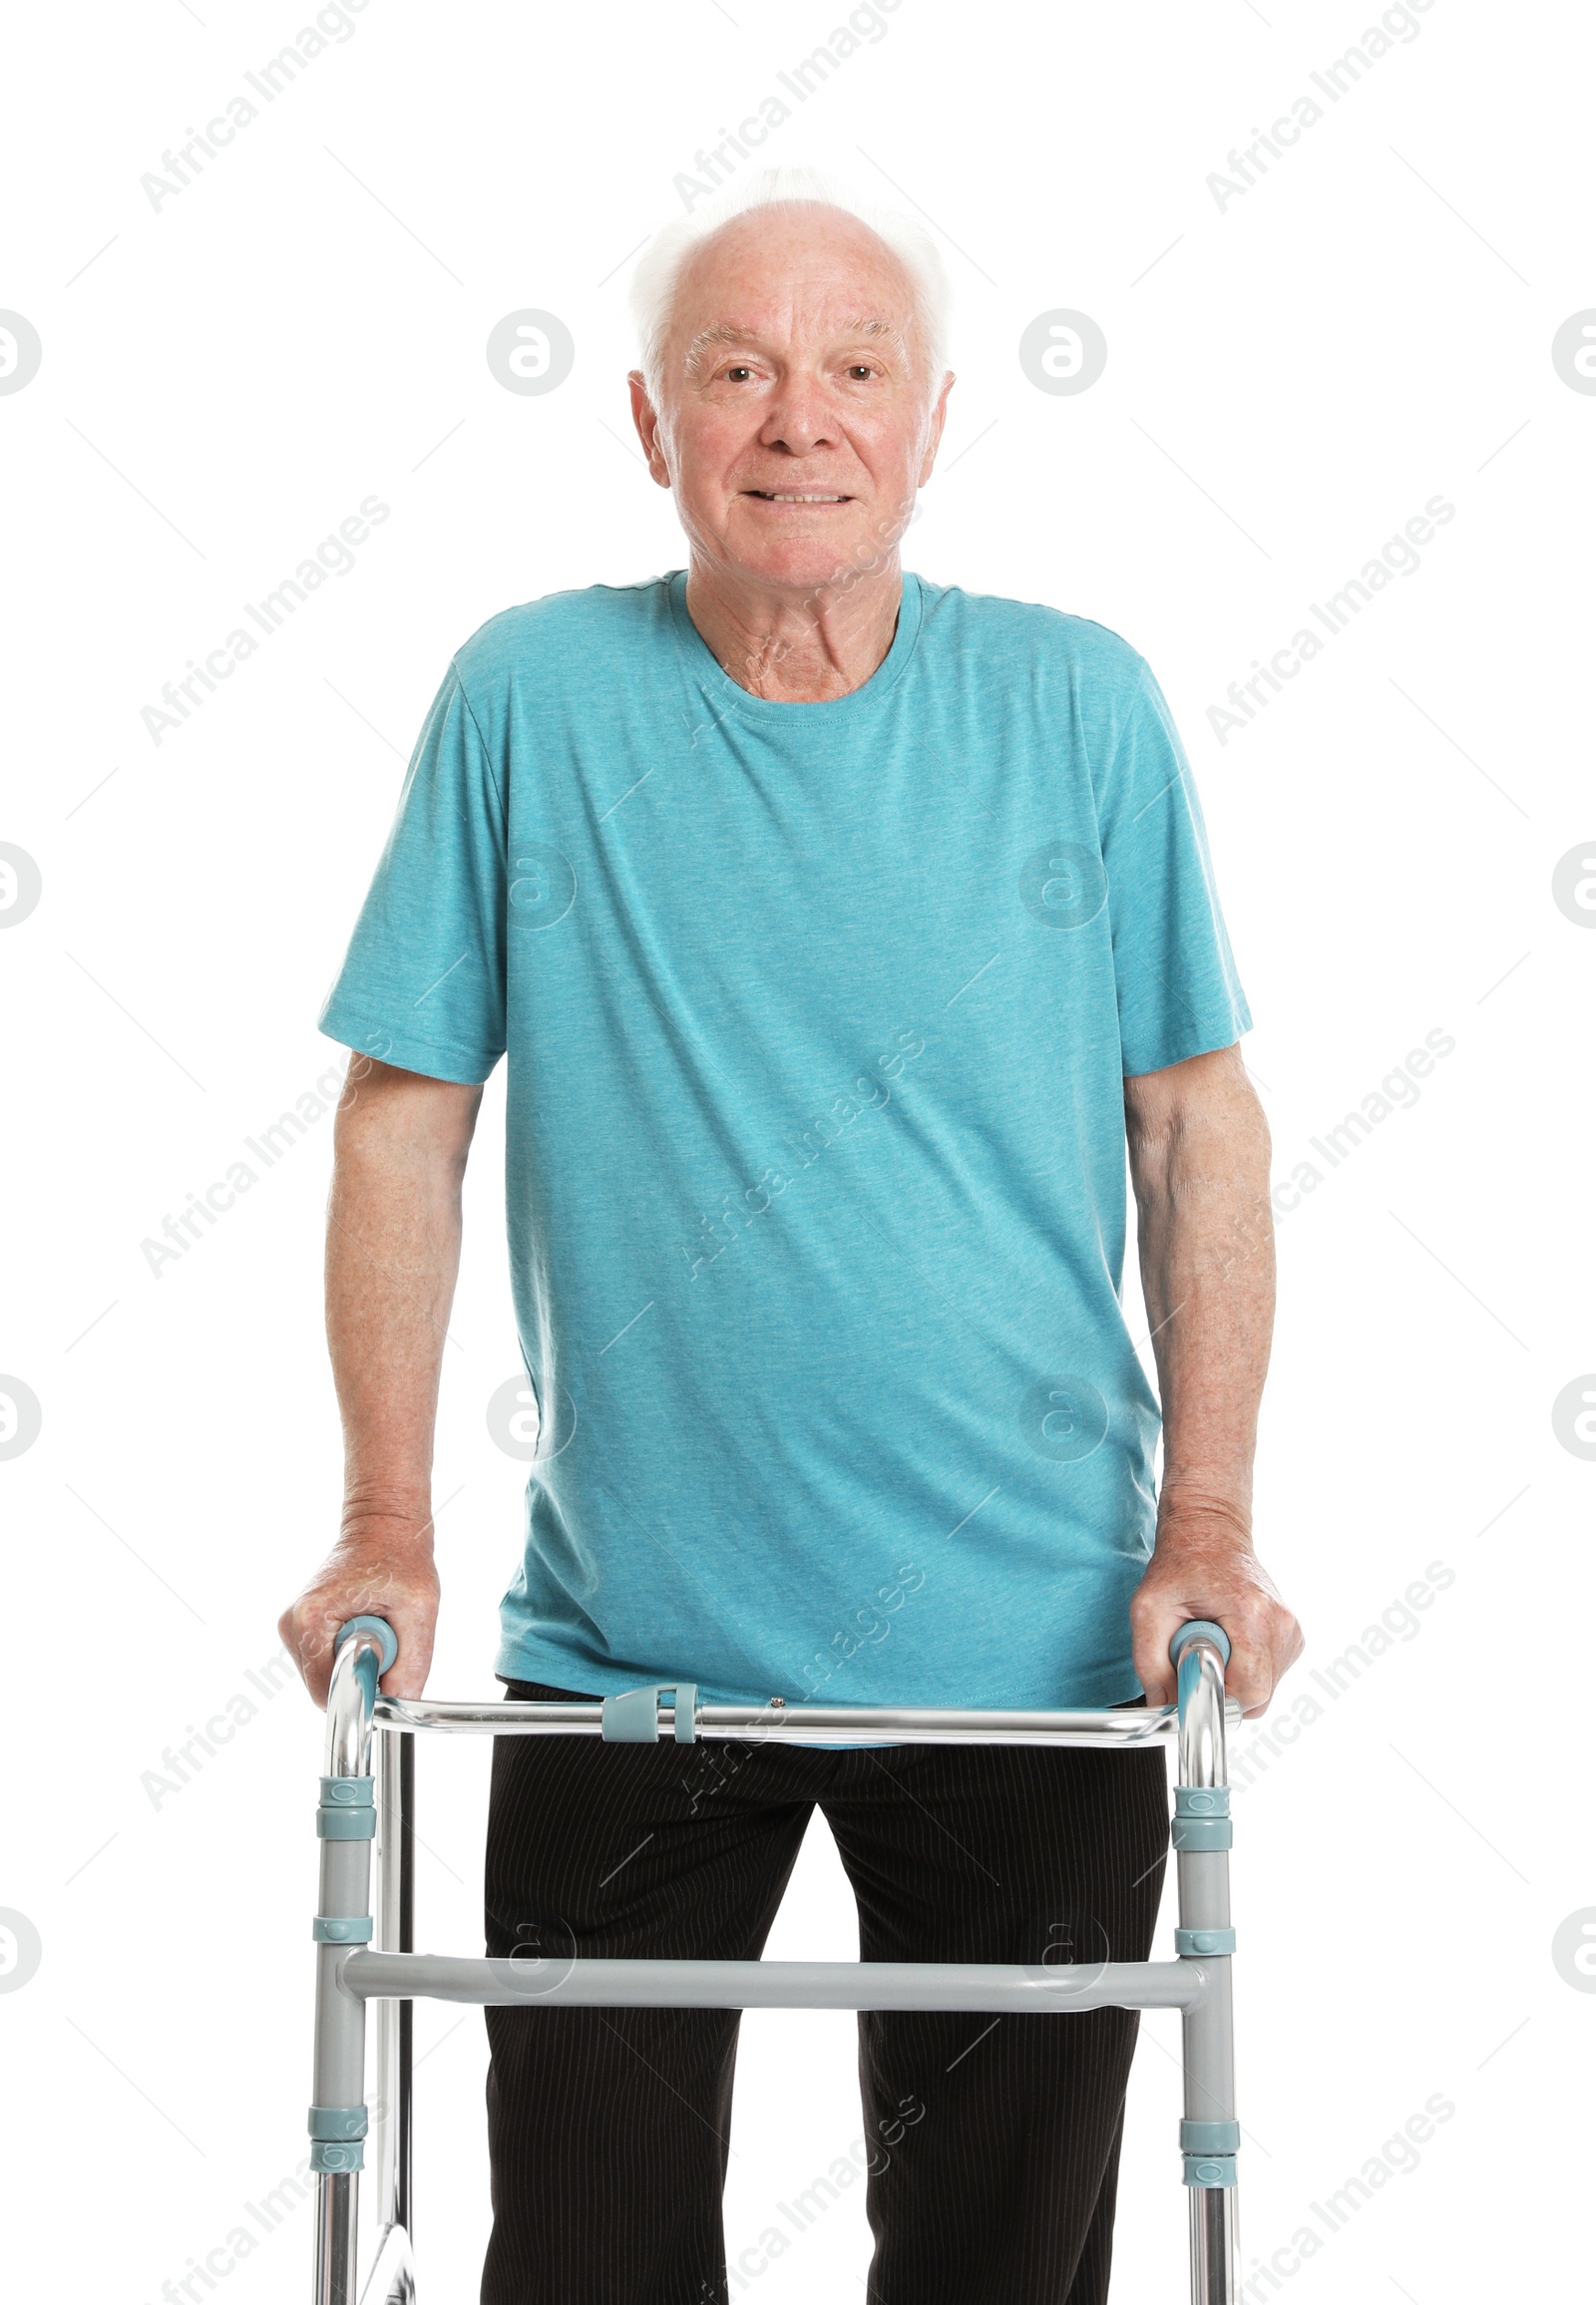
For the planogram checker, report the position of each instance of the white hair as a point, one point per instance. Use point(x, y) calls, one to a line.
point(659, 271)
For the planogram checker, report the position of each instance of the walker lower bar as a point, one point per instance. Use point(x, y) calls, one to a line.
point(365, 1952)
point(773, 1984)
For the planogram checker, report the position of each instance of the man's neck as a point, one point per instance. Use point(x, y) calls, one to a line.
point(796, 647)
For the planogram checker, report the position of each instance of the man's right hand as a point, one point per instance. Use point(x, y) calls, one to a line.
point(377, 1572)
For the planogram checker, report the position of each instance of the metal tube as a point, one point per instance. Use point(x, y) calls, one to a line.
point(335, 2239)
point(405, 1942)
point(1214, 2244)
point(1203, 1712)
point(584, 1984)
point(1209, 2072)
point(340, 2057)
point(1207, 2025)
point(349, 1711)
point(392, 1909)
point(800, 1724)
point(340, 2038)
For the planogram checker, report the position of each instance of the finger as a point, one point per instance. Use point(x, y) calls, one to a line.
point(287, 1634)
point(1153, 1627)
point(1154, 1671)
point(1263, 1649)
point(1249, 1675)
point(1271, 1657)
point(316, 1663)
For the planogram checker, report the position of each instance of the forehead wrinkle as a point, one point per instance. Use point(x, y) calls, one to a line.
point(731, 332)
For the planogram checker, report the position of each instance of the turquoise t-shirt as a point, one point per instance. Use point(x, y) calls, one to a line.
point(816, 1019)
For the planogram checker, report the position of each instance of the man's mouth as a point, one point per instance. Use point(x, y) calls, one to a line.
point(796, 496)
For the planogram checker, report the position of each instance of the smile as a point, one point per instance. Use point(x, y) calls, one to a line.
point(771, 497)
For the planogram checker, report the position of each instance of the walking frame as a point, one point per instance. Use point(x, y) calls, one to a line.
point(364, 1941)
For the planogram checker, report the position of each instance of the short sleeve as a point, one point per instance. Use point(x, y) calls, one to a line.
point(422, 986)
point(1175, 979)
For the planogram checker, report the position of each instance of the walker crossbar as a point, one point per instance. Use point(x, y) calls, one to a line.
point(517, 1984)
point(806, 1725)
point(364, 1950)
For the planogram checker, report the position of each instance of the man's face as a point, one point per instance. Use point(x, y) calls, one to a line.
point(797, 423)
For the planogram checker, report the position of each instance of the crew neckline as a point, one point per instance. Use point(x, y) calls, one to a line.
point(705, 668)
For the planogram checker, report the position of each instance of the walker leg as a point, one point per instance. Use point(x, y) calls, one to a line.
point(346, 1825)
point(338, 2109)
point(1209, 2134)
point(393, 1906)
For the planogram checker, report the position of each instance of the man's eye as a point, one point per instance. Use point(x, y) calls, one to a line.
point(861, 368)
point(739, 372)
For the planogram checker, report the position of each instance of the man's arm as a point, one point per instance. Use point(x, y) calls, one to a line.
point(393, 1254)
point(1199, 1163)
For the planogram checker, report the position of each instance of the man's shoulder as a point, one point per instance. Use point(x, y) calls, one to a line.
point(562, 629)
point(1031, 630)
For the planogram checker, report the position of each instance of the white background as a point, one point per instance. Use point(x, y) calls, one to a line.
point(1290, 378)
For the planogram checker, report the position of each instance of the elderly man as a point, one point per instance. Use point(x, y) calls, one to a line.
point(840, 929)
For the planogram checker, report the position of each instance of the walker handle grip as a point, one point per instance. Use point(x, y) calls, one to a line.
point(381, 1630)
point(1199, 1627)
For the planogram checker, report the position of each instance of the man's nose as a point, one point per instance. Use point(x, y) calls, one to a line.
point(798, 416)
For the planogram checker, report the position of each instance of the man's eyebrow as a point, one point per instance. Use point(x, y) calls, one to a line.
point(864, 326)
point(730, 332)
point(723, 332)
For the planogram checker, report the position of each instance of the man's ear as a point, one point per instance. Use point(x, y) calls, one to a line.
point(938, 417)
point(646, 419)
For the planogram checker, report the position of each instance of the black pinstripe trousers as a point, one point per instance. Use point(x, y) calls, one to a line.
point(990, 2149)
